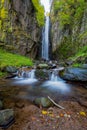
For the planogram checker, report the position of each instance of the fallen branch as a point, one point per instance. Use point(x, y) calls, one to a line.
point(55, 103)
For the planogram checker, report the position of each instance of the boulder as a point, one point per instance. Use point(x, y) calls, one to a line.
point(84, 66)
point(42, 66)
point(42, 74)
point(11, 69)
point(6, 117)
point(43, 101)
point(53, 66)
point(74, 74)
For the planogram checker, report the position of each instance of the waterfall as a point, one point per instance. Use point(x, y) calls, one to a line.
point(45, 31)
point(25, 77)
point(45, 40)
point(54, 76)
point(28, 74)
point(55, 82)
point(31, 74)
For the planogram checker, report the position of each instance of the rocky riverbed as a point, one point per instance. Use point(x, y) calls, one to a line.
point(30, 117)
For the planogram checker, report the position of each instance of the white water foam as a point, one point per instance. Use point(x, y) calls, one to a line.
point(26, 77)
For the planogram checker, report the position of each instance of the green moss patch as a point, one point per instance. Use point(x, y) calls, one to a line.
point(9, 59)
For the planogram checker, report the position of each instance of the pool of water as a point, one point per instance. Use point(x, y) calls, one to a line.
point(57, 90)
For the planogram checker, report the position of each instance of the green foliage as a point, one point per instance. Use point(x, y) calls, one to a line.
point(7, 59)
point(5, 25)
point(70, 11)
point(70, 15)
point(65, 49)
point(80, 57)
point(2, 74)
point(39, 12)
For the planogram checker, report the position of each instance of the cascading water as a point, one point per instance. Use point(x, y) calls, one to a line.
point(55, 82)
point(45, 31)
point(30, 74)
point(26, 77)
point(54, 76)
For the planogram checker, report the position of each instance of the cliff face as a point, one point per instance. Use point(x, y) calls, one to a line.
point(72, 35)
point(24, 35)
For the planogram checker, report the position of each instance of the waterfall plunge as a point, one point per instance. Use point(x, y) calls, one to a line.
point(55, 82)
point(45, 31)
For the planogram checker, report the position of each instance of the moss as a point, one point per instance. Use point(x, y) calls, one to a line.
point(39, 12)
point(80, 57)
point(9, 59)
point(2, 74)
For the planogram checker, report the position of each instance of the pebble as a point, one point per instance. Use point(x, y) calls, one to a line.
point(65, 115)
point(68, 116)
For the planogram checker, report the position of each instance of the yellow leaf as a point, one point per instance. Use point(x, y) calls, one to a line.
point(44, 112)
point(82, 113)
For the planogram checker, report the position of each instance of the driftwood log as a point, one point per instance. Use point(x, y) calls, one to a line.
point(55, 103)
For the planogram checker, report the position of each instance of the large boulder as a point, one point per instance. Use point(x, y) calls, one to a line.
point(6, 117)
point(11, 69)
point(43, 101)
point(42, 74)
point(84, 66)
point(43, 66)
point(74, 74)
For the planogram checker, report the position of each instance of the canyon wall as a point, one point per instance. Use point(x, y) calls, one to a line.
point(23, 33)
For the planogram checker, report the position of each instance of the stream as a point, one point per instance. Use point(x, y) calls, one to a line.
point(29, 87)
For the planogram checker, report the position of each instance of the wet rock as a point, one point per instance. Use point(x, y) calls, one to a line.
point(24, 71)
point(74, 74)
point(43, 101)
point(69, 62)
point(42, 66)
point(11, 69)
point(84, 66)
point(1, 104)
point(6, 117)
point(42, 74)
point(52, 66)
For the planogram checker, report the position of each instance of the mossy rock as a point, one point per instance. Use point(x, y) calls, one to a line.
point(42, 66)
point(5, 116)
point(42, 74)
point(43, 101)
point(11, 69)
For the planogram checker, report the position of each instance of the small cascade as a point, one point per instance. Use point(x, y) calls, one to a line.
point(54, 76)
point(55, 82)
point(27, 74)
point(25, 77)
point(31, 74)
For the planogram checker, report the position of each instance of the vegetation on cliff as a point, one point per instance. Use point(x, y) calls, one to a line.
point(70, 11)
point(9, 59)
point(72, 26)
point(5, 26)
point(39, 12)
